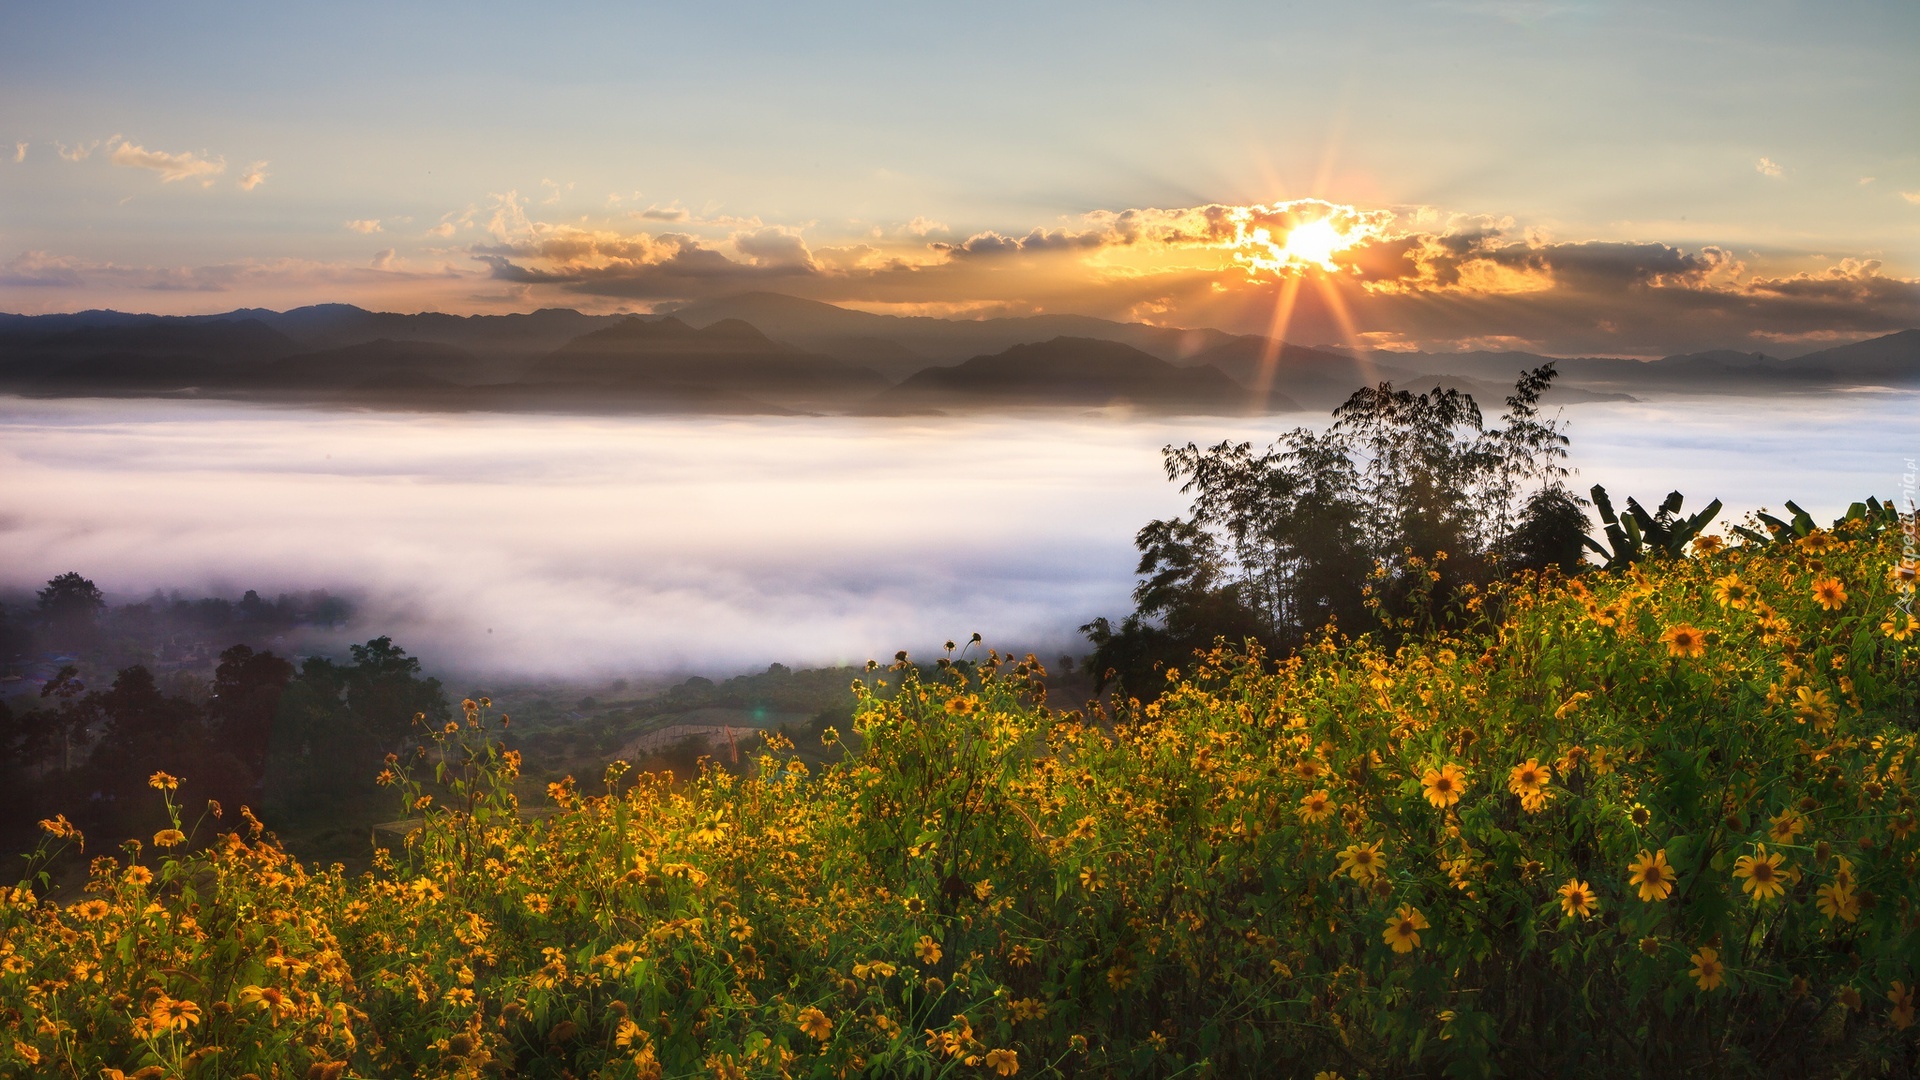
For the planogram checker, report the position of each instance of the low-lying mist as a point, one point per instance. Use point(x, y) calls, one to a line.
point(589, 546)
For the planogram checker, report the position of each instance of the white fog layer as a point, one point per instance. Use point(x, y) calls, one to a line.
point(547, 545)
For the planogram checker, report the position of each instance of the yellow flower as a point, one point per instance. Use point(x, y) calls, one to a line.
point(1830, 594)
point(1651, 875)
point(627, 1033)
point(1731, 592)
point(267, 999)
point(1707, 968)
point(169, 838)
point(813, 1022)
point(1761, 874)
point(1708, 545)
point(1814, 705)
point(168, 1014)
point(1444, 785)
point(1577, 899)
point(1900, 626)
point(1837, 901)
point(1316, 807)
point(1363, 862)
point(162, 782)
point(927, 949)
point(1090, 878)
point(1003, 1062)
point(1902, 997)
point(1685, 640)
point(1786, 825)
point(1529, 780)
point(1403, 929)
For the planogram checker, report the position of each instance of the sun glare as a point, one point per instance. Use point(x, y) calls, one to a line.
point(1301, 235)
point(1315, 242)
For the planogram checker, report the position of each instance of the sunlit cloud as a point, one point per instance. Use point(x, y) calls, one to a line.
point(77, 152)
point(365, 225)
point(171, 167)
point(19, 152)
point(774, 246)
point(1911, 196)
point(39, 270)
point(1322, 270)
point(1767, 167)
point(255, 175)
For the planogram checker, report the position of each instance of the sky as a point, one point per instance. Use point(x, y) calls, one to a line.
point(1564, 177)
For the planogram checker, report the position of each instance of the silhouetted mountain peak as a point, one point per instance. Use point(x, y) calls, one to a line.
point(733, 330)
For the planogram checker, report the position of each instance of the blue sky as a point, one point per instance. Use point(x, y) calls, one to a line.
point(1782, 136)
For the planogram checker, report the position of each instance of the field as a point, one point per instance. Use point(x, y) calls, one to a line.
point(1632, 822)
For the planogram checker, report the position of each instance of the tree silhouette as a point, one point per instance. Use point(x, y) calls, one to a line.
point(69, 608)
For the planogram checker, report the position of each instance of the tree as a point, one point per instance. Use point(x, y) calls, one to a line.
point(247, 687)
point(1403, 504)
point(69, 608)
point(334, 721)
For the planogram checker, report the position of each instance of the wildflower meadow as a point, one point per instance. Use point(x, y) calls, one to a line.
point(1642, 820)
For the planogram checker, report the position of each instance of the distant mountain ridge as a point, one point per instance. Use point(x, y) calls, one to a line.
point(764, 352)
point(1074, 372)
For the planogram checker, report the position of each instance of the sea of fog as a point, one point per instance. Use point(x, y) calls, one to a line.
point(591, 546)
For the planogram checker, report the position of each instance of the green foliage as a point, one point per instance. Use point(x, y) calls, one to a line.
point(1872, 515)
point(1372, 859)
point(1640, 535)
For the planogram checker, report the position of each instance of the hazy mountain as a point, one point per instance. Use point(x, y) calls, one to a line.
point(121, 356)
point(1893, 360)
point(729, 355)
point(1314, 378)
point(373, 363)
point(501, 343)
point(763, 351)
point(1070, 371)
point(912, 341)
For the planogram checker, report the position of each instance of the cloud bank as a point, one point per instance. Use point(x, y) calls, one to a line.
point(1313, 270)
point(1412, 276)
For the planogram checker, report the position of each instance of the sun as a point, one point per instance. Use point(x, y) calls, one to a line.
point(1315, 242)
point(1306, 234)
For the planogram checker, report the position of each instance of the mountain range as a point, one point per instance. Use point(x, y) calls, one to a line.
point(768, 353)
